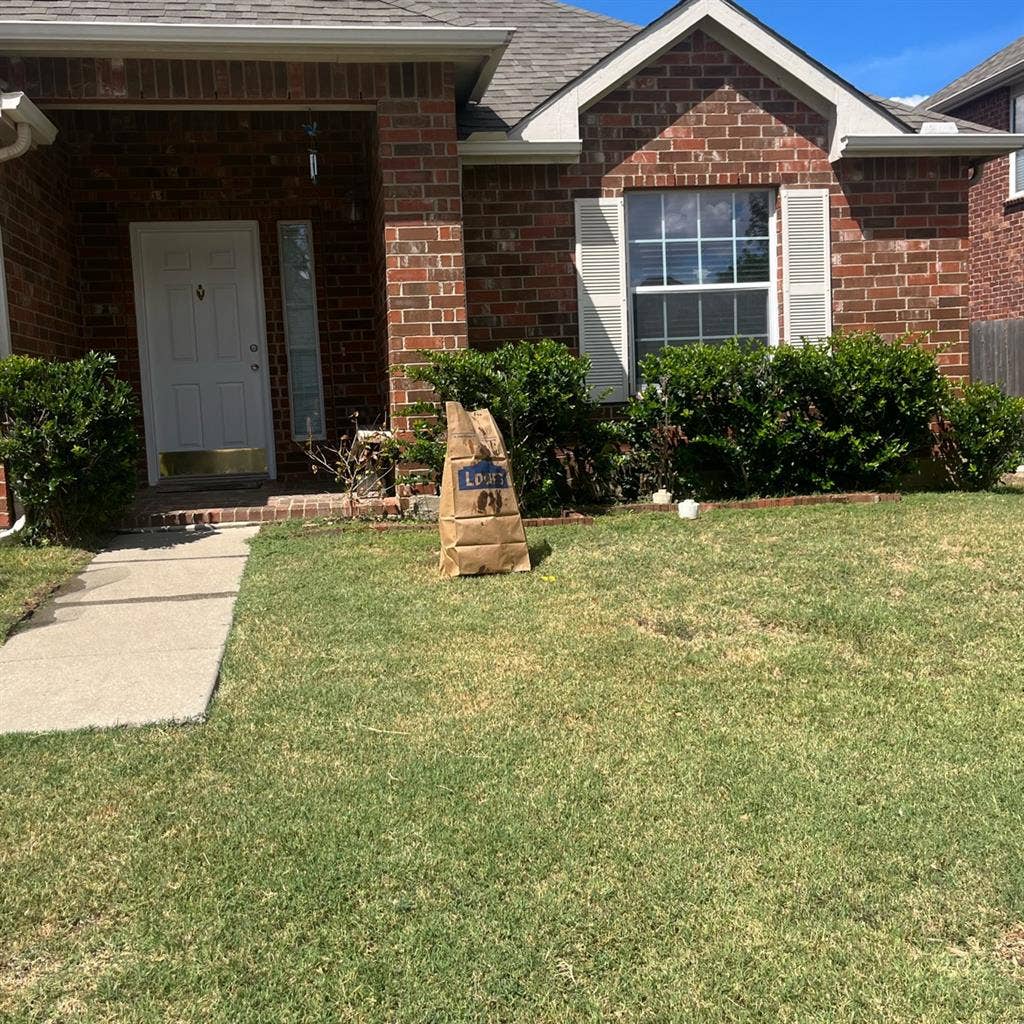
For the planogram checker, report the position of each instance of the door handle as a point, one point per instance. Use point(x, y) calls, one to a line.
point(254, 367)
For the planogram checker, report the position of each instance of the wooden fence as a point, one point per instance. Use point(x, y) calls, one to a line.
point(997, 354)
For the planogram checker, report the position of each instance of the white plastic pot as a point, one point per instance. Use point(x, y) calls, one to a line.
point(689, 509)
point(662, 497)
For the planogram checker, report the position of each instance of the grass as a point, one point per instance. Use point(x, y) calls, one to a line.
point(763, 767)
point(28, 575)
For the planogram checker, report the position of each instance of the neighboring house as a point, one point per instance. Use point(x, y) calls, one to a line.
point(486, 172)
point(993, 94)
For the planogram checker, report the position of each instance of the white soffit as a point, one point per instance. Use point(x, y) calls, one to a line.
point(848, 111)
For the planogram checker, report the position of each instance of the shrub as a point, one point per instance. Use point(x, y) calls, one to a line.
point(559, 451)
point(68, 439)
point(846, 415)
point(981, 435)
point(717, 396)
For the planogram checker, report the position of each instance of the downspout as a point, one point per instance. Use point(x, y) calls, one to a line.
point(20, 146)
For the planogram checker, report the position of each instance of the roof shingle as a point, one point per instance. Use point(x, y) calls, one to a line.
point(1008, 57)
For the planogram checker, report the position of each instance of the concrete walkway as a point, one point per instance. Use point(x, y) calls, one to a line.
point(137, 637)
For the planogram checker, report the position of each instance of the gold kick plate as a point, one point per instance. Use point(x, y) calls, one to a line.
point(219, 462)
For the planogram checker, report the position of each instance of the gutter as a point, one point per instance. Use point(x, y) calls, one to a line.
point(280, 42)
point(981, 144)
point(484, 148)
point(18, 109)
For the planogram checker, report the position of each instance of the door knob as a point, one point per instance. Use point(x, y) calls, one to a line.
point(254, 366)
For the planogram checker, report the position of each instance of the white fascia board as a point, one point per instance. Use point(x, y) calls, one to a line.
point(1004, 77)
point(981, 144)
point(849, 111)
point(19, 109)
point(280, 42)
point(490, 150)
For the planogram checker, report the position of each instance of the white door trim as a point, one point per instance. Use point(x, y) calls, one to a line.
point(137, 232)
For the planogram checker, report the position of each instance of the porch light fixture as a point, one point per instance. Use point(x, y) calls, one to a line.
point(312, 129)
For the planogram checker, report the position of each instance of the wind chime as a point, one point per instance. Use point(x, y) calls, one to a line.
point(312, 129)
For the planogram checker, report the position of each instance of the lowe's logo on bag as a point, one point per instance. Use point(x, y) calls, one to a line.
point(482, 476)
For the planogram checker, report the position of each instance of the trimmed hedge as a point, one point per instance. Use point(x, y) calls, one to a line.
point(68, 438)
point(846, 415)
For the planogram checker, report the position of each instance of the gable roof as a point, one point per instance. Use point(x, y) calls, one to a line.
point(553, 42)
point(989, 74)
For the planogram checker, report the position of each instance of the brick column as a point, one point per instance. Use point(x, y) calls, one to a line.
point(6, 502)
point(420, 218)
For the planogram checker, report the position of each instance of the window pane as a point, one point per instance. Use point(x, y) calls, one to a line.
point(683, 315)
point(300, 322)
point(681, 258)
point(752, 260)
point(718, 314)
point(716, 262)
point(716, 215)
point(752, 212)
point(645, 264)
point(752, 314)
point(649, 317)
point(644, 215)
point(680, 214)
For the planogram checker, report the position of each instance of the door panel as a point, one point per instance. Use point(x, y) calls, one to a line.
point(205, 339)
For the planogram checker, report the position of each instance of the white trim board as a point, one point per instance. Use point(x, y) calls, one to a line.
point(136, 232)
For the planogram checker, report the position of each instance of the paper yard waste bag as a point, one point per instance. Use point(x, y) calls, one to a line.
point(481, 528)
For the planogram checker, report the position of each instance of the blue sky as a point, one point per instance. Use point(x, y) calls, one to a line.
point(900, 48)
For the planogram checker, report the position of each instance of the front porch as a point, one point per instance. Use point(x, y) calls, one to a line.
point(249, 304)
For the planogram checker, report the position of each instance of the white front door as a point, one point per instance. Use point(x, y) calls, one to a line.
point(202, 339)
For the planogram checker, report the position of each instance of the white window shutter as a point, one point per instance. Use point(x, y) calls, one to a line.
point(806, 265)
point(603, 297)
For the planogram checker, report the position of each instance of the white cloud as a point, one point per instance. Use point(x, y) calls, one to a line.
point(911, 101)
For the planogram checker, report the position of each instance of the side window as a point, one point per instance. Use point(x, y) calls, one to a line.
point(301, 328)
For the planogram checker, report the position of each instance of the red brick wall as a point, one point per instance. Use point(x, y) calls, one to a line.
point(39, 242)
point(6, 503)
point(134, 166)
point(702, 118)
point(997, 224)
point(419, 212)
point(131, 80)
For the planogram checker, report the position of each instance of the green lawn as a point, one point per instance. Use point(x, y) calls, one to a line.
point(763, 767)
point(28, 574)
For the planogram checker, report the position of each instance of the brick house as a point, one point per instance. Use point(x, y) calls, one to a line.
point(483, 173)
point(992, 94)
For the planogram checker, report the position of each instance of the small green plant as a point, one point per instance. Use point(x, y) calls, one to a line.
point(559, 450)
point(68, 438)
point(981, 435)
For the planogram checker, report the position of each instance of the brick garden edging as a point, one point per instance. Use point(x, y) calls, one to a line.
point(320, 506)
point(853, 498)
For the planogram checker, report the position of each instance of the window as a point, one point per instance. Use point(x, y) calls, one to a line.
point(701, 267)
point(1017, 159)
point(301, 331)
point(5, 320)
